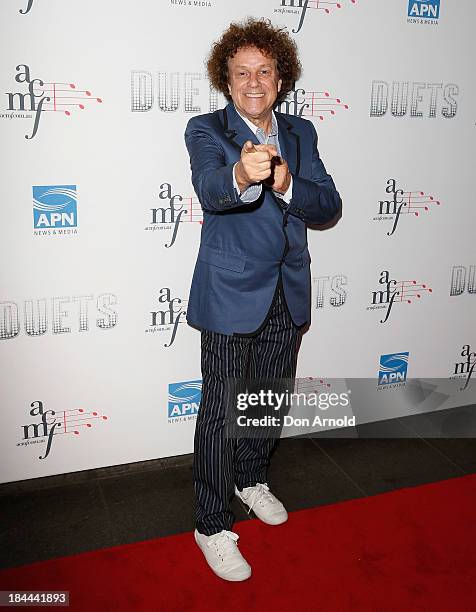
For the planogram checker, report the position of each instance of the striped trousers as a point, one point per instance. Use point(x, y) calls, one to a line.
point(220, 462)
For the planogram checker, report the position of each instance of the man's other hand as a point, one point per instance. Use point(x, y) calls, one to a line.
point(255, 164)
point(280, 178)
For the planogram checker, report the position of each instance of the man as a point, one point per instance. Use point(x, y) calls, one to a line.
point(260, 180)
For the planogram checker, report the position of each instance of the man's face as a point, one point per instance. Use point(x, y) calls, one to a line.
point(253, 82)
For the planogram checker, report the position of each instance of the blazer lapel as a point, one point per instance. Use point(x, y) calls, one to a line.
point(235, 128)
point(238, 133)
point(289, 143)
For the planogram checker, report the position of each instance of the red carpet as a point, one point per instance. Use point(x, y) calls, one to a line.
point(408, 550)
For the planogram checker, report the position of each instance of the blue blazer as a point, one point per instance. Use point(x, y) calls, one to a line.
point(246, 248)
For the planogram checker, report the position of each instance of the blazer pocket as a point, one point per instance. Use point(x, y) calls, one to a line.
point(221, 259)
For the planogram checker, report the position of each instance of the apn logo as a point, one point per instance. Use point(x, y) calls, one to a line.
point(55, 206)
point(402, 203)
point(184, 398)
point(422, 10)
point(393, 368)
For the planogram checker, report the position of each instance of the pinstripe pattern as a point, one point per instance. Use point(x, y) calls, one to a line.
point(221, 462)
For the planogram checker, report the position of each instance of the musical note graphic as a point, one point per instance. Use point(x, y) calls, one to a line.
point(326, 6)
point(410, 289)
point(310, 384)
point(73, 420)
point(416, 201)
point(317, 103)
point(194, 211)
point(58, 92)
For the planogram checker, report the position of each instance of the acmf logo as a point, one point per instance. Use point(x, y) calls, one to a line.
point(299, 7)
point(42, 96)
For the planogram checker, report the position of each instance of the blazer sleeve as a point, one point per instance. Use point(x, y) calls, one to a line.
point(315, 200)
point(212, 177)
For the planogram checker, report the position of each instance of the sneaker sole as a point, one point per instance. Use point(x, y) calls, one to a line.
point(267, 522)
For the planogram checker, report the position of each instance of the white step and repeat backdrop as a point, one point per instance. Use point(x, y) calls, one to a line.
point(100, 224)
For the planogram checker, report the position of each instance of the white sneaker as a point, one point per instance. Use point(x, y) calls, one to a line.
point(264, 504)
point(223, 556)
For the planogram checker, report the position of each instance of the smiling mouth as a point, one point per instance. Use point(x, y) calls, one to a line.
point(254, 95)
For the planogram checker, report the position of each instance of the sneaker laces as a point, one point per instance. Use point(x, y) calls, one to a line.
point(224, 542)
point(261, 495)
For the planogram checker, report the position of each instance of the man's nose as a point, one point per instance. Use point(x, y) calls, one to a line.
point(253, 81)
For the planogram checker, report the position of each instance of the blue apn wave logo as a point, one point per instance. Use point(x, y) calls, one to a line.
point(55, 206)
point(424, 9)
point(184, 398)
point(393, 368)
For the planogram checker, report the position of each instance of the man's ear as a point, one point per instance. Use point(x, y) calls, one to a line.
point(280, 82)
point(229, 89)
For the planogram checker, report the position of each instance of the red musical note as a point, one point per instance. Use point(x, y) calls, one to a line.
point(194, 212)
point(411, 289)
point(316, 4)
point(320, 104)
point(310, 384)
point(53, 90)
point(417, 200)
point(75, 419)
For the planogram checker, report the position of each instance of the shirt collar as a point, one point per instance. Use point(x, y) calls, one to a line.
point(254, 128)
